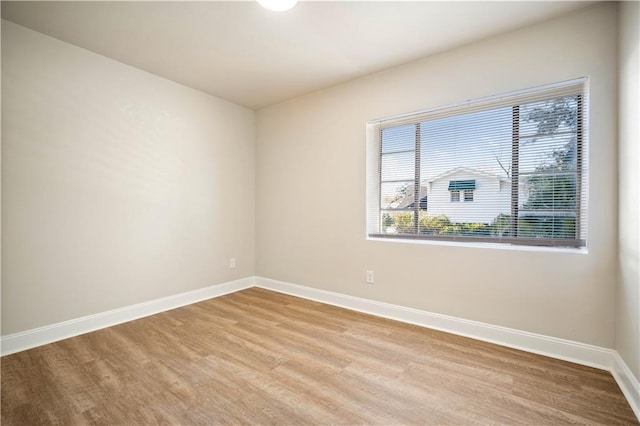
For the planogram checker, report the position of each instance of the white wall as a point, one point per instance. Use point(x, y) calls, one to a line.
point(627, 341)
point(310, 187)
point(118, 186)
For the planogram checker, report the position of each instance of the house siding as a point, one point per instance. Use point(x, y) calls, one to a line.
point(491, 197)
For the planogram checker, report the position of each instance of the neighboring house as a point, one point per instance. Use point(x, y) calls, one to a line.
point(469, 195)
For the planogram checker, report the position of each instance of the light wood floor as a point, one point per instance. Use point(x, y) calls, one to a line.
point(259, 357)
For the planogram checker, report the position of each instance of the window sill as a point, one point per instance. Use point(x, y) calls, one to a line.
point(481, 245)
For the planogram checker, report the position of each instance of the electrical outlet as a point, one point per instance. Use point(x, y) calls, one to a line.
point(370, 277)
point(232, 262)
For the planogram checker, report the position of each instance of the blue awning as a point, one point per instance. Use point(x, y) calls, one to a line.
point(462, 185)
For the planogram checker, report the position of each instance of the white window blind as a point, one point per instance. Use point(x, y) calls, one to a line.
point(509, 169)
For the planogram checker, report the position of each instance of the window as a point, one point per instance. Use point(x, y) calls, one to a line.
point(455, 186)
point(517, 159)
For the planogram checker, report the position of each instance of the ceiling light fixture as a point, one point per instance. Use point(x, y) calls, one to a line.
point(278, 5)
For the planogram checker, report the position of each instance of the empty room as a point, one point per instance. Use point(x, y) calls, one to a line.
point(320, 212)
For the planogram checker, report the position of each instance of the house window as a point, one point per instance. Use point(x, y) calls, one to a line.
point(517, 159)
point(466, 186)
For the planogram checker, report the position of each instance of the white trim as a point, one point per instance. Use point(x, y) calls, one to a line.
point(629, 384)
point(481, 245)
point(21, 341)
point(581, 353)
point(467, 170)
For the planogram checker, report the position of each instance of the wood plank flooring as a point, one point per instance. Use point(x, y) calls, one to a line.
point(260, 357)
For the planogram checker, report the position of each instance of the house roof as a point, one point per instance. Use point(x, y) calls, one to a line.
point(408, 200)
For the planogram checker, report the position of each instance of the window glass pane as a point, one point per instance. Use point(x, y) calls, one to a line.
point(398, 166)
point(470, 149)
point(399, 138)
point(400, 222)
point(548, 153)
point(444, 226)
point(478, 141)
point(547, 226)
point(555, 191)
point(549, 117)
point(396, 195)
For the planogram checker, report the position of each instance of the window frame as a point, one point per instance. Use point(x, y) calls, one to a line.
point(579, 91)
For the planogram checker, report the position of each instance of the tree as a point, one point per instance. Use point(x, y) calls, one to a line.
point(553, 191)
point(434, 225)
point(401, 193)
point(404, 223)
point(387, 220)
point(553, 186)
point(553, 114)
point(501, 225)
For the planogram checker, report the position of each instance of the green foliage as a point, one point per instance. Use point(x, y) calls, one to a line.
point(387, 220)
point(403, 223)
point(551, 192)
point(501, 225)
point(553, 114)
point(542, 226)
point(434, 225)
point(547, 226)
point(442, 225)
point(555, 188)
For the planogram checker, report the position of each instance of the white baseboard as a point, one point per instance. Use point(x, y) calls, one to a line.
point(567, 350)
point(17, 342)
point(628, 383)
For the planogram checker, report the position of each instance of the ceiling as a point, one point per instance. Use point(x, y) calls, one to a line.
point(253, 57)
